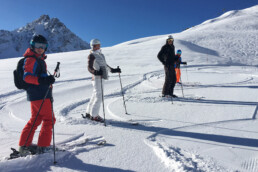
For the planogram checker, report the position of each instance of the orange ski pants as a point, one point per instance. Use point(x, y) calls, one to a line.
point(44, 117)
point(178, 74)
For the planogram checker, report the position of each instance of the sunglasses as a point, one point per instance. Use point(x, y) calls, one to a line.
point(40, 45)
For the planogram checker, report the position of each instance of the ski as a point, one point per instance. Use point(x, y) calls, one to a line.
point(16, 154)
point(85, 116)
point(190, 98)
point(113, 121)
point(67, 145)
point(183, 98)
point(102, 142)
point(90, 118)
point(131, 122)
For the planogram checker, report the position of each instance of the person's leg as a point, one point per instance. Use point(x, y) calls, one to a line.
point(172, 76)
point(92, 99)
point(166, 87)
point(97, 91)
point(45, 135)
point(178, 73)
point(35, 105)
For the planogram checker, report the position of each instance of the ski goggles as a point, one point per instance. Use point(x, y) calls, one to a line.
point(170, 39)
point(39, 45)
point(179, 52)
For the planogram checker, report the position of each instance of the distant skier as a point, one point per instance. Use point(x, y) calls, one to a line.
point(35, 74)
point(98, 67)
point(177, 65)
point(167, 58)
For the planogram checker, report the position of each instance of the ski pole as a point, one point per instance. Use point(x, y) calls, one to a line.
point(57, 75)
point(182, 86)
point(54, 147)
point(122, 91)
point(103, 102)
point(186, 74)
point(255, 112)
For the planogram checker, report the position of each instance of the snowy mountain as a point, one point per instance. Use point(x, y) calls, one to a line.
point(211, 127)
point(60, 38)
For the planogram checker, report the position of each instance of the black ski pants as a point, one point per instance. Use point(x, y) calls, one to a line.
point(170, 80)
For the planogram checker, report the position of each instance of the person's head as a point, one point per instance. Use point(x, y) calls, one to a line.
point(170, 40)
point(179, 52)
point(39, 44)
point(95, 44)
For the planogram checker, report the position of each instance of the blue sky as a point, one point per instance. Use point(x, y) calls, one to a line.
point(116, 21)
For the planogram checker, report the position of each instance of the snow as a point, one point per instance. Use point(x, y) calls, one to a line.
point(213, 127)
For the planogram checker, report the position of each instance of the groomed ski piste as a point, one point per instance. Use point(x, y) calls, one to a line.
point(212, 126)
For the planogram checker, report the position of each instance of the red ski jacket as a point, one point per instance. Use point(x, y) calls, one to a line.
point(35, 67)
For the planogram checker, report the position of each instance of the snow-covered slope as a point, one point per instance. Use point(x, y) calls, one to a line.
point(60, 38)
point(211, 127)
point(236, 30)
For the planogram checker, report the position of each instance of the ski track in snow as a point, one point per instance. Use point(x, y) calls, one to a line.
point(10, 97)
point(177, 159)
point(65, 110)
point(173, 157)
point(250, 165)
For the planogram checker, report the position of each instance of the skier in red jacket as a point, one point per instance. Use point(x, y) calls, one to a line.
point(35, 74)
point(178, 61)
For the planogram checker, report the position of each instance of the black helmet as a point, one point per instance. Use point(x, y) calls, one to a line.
point(38, 39)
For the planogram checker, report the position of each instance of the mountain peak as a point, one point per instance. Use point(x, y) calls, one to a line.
point(43, 19)
point(60, 38)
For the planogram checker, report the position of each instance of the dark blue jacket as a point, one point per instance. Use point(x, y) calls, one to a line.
point(167, 55)
point(35, 67)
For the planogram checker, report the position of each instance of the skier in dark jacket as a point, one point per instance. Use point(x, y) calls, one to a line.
point(167, 58)
point(35, 74)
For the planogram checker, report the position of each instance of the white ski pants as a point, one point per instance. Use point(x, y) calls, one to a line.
point(96, 98)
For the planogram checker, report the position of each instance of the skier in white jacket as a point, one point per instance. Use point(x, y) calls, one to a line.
point(98, 67)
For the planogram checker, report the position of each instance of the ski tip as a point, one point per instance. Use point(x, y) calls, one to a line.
point(102, 142)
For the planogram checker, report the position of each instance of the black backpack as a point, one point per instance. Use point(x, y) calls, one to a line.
point(18, 75)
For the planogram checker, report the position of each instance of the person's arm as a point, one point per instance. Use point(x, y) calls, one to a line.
point(185, 63)
point(30, 68)
point(91, 59)
point(114, 70)
point(161, 55)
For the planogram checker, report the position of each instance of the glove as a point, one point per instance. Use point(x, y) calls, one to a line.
point(98, 72)
point(185, 63)
point(117, 70)
point(46, 80)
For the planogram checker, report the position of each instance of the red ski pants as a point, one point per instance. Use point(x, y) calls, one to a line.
point(178, 74)
point(44, 117)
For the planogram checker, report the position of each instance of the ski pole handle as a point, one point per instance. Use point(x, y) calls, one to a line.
point(57, 69)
